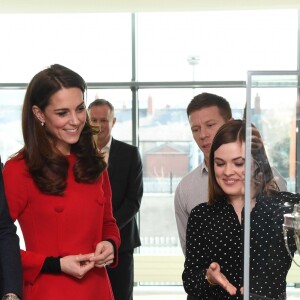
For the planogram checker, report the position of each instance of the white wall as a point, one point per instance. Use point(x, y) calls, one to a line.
point(18, 6)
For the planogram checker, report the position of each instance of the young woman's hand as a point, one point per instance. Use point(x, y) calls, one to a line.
point(214, 276)
point(104, 254)
point(77, 265)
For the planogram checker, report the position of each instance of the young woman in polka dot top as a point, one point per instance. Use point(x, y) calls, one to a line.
point(214, 251)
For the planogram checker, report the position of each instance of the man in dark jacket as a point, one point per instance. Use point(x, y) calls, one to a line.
point(126, 179)
point(10, 261)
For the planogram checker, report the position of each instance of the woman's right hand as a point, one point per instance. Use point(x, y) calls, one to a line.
point(77, 265)
point(214, 276)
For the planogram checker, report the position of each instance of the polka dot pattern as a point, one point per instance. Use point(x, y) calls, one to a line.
point(214, 234)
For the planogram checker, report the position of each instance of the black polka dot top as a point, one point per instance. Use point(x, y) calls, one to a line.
point(214, 234)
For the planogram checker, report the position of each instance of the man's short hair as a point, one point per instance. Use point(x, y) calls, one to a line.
point(207, 100)
point(100, 102)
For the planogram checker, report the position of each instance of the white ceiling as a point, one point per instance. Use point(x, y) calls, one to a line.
point(75, 6)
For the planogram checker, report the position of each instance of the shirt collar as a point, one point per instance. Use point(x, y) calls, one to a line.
point(106, 148)
point(203, 167)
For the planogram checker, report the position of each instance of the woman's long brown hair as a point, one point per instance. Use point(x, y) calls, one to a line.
point(48, 166)
point(235, 131)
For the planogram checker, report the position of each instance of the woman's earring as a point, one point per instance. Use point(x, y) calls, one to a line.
point(43, 124)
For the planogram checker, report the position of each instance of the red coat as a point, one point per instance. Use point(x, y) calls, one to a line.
point(59, 226)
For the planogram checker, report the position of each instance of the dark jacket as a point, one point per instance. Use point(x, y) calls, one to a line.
point(10, 261)
point(126, 179)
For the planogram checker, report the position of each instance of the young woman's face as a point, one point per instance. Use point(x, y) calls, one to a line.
point(64, 117)
point(229, 167)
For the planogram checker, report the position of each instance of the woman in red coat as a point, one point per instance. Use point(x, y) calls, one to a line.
point(58, 189)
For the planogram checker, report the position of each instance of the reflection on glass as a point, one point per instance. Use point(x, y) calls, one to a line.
point(292, 223)
point(274, 109)
point(274, 114)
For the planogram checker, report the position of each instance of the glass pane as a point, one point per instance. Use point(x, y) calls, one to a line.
point(11, 139)
point(97, 46)
point(274, 107)
point(168, 42)
point(274, 111)
point(169, 152)
point(11, 102)
point(121, 100)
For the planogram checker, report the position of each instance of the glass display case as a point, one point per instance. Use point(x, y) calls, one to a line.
point(273, 108)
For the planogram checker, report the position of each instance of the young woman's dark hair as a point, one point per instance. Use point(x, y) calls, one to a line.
point(46, 164)
point(231, 132)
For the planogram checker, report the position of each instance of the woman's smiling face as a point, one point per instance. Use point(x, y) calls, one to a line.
point(64, 117)
point(229, 167)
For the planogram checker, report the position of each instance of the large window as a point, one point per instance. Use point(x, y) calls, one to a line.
point(225, 45)
point(121, 100)
point(98, 46)
point(11, 139)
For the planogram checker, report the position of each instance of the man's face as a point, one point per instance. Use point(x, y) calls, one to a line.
point(102, 117)
point(205, 123)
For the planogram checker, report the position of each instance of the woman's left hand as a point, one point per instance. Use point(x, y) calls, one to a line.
point(104, 254)
point(216, 277)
